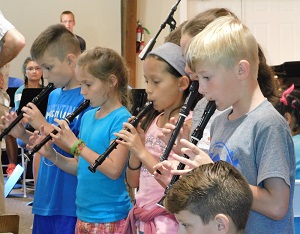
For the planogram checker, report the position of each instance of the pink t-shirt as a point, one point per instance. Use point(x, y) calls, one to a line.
point(150, 191)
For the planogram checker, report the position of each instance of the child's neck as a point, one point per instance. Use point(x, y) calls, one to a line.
point(247, 103)
point(73, 83)
point(33, 84)
point(167, 115)
point(107, 108)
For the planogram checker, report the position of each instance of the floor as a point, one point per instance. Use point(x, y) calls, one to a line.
point(16, 203)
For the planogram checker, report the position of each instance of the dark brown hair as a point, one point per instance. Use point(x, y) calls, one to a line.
point(27, 60)
point(57, 40)
point(211, 189)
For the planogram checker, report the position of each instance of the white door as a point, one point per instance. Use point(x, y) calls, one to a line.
point(275, 24)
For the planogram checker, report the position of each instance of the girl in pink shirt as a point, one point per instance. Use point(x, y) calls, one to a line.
point(167, 87)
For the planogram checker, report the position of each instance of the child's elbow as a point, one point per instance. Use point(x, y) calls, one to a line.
point(132, 181)
point(115, 174)
point(278, 212)
point(133, 184)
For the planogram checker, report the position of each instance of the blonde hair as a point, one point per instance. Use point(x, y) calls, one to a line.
point(225, 41)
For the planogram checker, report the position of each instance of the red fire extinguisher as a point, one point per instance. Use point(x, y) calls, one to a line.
point(140, 43)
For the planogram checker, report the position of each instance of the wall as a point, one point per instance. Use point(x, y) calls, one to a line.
point(152, 13)
point(274, 23)
point(98, 22)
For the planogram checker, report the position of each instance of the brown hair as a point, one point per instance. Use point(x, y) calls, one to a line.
point(146, 122)
point(57, 40)
point(27, 60)
point(175, 35)
point(200, 21)
point(212, 189)
point(103, 62)
point(67, 13)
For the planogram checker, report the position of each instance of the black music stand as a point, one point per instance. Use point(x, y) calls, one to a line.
point(29, 94)
point(11, 94)
point(289, 73)
point(139, 98)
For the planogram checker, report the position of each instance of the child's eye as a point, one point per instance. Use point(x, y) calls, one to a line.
point(185, 225)
point(206, 77)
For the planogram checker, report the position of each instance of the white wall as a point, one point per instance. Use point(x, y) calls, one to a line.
point(97, 21)
point(274, 23)
point(152, 13)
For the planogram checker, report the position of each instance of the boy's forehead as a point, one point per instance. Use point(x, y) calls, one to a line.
point(47, 58)
point(67, 16)
point(201, 67)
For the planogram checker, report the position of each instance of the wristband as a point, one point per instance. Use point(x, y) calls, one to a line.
point(134, 168)
point(77, 147)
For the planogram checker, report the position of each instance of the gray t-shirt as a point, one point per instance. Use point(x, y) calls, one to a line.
point(260, 146)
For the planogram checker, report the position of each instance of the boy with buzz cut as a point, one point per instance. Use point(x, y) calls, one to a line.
point(213, 198)
point(251, 135)
point(55, 50)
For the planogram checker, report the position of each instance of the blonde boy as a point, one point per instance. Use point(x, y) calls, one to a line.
point(251, 135)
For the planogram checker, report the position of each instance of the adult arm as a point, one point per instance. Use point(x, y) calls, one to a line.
point(13, 42)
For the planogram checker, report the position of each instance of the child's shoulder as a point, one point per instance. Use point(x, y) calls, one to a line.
point(266, 111)
point(121, 111)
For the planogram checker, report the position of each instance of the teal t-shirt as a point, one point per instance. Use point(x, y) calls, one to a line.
point(99, 198)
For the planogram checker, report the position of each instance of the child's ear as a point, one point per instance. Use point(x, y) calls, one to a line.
point(112, 80)
point(288, 117)
point(243, 69)
point(71, 59)
point(222, 223)
point(184, 83)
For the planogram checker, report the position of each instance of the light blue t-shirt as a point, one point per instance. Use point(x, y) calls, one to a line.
point(296, 140)
point(55, 189)
point(18, 95)
point(100, 199)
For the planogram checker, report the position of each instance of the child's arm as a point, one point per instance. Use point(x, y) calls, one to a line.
point(133, 171)
point(272, 200)
point(112, 166)
point(133, 141)
point(184, 133)
point(18, 131)
point(67, 164)
point(196, 158)
point(138, 152)
point(35, 118)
